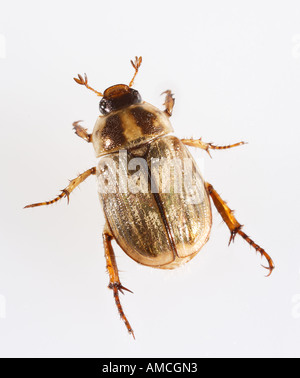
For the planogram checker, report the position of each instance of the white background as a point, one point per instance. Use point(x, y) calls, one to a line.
point(234, 67)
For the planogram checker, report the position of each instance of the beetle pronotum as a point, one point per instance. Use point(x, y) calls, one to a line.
point(155, 227)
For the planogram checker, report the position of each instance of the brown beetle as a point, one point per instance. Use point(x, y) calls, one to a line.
point(155, 227)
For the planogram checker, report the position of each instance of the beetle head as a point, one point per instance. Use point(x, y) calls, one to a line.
point(117, 97)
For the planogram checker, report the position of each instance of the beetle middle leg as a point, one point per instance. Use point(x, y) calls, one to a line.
point(114, 280)
point(207, 146)
point(67, 191)
point(234, 226)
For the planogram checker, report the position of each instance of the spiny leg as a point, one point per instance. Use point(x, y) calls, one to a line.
point(169, 102)
point(207, 146)
point(114, 280)
point(234, 226)
point(82, 132)
point(67, 191)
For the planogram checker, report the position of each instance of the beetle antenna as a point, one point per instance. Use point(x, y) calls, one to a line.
point(136, 65)
point(84, 81)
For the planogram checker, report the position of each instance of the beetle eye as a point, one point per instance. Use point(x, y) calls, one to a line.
point(136, 95)
point(103, 105)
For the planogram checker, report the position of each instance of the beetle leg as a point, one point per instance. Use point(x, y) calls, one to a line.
point(82, 132)
point(169, 102)
point(207, 146)
point(114, 280)
point(234, 226)
point(67, 191)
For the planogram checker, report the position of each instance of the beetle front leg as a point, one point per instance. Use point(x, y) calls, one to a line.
point(67, 191)
point(207, 146)
point(169, 102)
point(114, 280)
point(82, 132)
point(234, 226)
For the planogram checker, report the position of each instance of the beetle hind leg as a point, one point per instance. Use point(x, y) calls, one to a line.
point(114, 280)
point(263, 253)
point(235, 227)
point(67, 191)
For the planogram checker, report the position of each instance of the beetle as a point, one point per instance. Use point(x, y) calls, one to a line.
point(157, 228)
